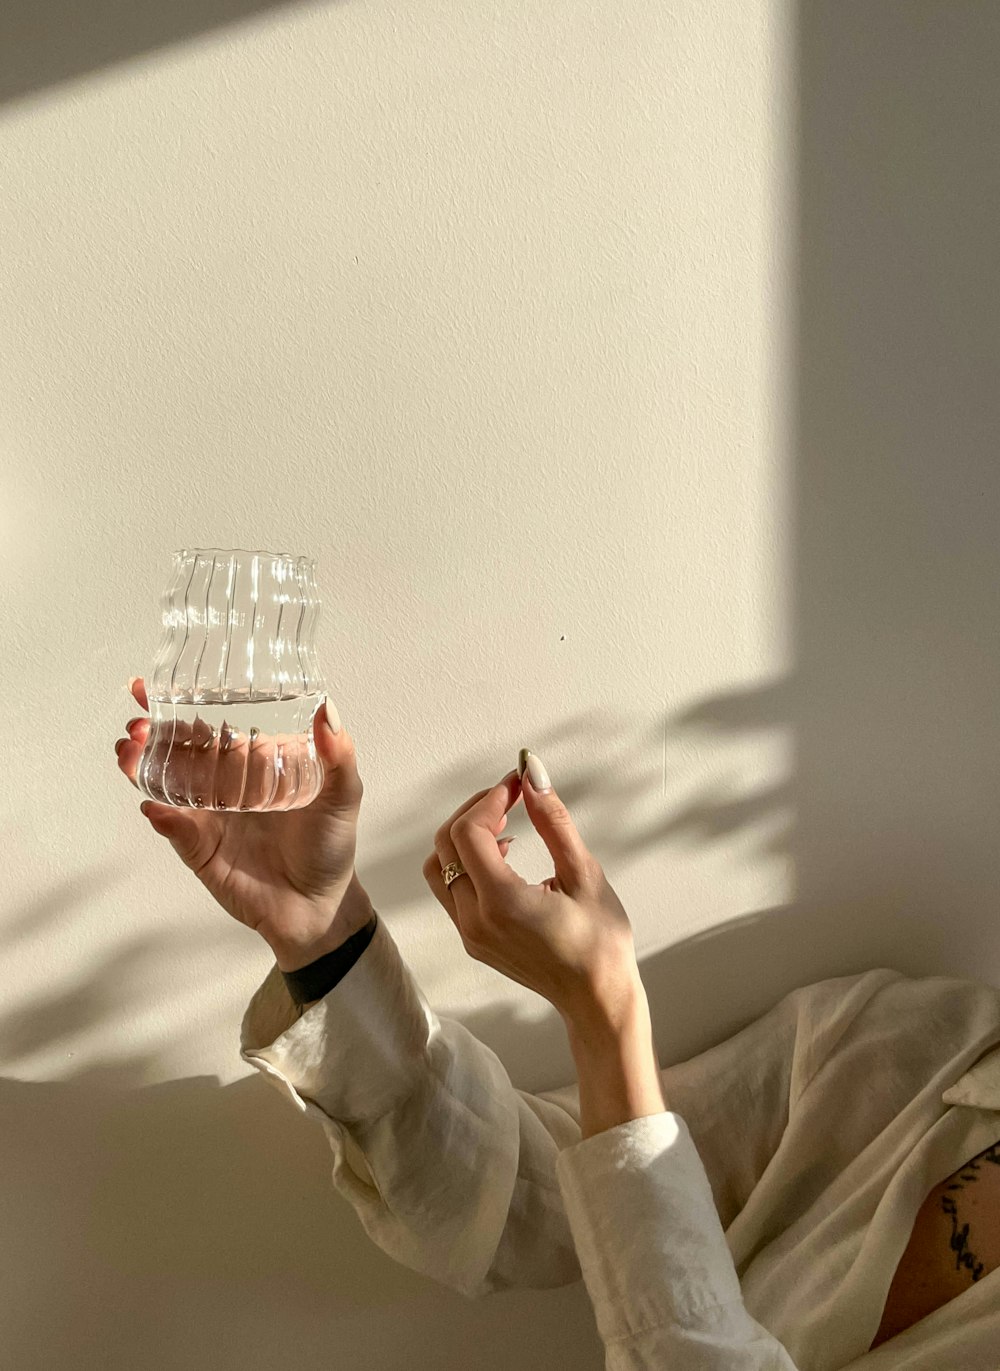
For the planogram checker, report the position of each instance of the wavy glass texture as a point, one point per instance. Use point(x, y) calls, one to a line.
point(235, 684)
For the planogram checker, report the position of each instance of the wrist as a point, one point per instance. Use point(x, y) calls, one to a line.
point(597, 1018)
point(354, 911)
point(616, 1060)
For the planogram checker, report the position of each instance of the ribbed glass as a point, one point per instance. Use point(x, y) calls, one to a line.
point(235, 684)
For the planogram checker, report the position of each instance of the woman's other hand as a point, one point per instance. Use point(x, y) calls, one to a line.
point(288, 875)
point(568, 939)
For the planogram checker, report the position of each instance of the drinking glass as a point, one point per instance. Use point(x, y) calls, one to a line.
point(235, 685)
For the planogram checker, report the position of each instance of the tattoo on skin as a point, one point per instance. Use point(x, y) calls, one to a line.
point(969, 1174)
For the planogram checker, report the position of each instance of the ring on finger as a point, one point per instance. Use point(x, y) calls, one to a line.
point(453, 870)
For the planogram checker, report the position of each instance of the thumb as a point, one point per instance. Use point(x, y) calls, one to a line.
point(551, 819)
point(342, 787)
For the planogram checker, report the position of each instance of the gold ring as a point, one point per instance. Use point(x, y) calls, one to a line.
point(452, 871)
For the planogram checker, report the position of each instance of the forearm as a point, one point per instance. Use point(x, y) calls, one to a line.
point(617, 1066)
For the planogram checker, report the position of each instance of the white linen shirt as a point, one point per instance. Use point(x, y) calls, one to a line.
point(757, 1223)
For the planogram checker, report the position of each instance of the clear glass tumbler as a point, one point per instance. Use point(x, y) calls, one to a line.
point(235, 685)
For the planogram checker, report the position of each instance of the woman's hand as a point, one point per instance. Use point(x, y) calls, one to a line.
point(568, 939)
point(288, 875)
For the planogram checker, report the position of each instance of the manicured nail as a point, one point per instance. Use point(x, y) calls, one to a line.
point(131, 682)
point(537, 774)
point(522, 762)
point(507, 838)
point(333, 718)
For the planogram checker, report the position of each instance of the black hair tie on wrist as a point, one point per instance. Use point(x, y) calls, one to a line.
point(312, 982)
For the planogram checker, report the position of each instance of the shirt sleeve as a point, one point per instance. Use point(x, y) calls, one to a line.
point(453, 1172)
point(654, 1254)
point(649, 1200)
point(450, 1170)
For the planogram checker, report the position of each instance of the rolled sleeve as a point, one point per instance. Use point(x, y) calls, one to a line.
point(449, 1168)
point(356, 1053)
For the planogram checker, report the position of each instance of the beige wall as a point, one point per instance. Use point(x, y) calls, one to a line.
point(492, 309)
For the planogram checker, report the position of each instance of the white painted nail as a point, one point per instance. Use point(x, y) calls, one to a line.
point(537, 774)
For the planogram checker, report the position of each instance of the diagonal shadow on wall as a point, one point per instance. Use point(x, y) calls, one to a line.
point(44, 43)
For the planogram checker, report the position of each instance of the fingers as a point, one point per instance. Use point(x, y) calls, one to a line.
point(445, 851)
point(129, 749)
point(223, 769)
point(443, 835)
point(137, 688)
point(574, 863)
point(195, 769)
point(474, 836)
point(432, 870)
point(197, 766)
point(262, 771)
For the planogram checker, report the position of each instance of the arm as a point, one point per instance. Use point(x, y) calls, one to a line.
point(654, 1256)
point(619, 1072)
point(451, 1170)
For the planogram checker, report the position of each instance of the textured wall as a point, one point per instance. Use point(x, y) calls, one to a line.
point(488, 308)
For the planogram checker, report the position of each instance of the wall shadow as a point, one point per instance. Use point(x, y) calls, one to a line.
point(897, 483)
point(200, 1219)
point(199, 1224)
point(44, 44)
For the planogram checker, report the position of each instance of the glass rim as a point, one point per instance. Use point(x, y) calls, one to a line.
point(248, 551)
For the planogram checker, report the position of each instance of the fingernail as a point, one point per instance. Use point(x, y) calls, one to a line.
point(142, 807)
point(507, 838)
point(131, 682)
point(333, 718)
point(522, 762)
point(537, 774)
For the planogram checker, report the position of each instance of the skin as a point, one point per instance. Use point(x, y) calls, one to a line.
point(291, 878)
point(954, 1243)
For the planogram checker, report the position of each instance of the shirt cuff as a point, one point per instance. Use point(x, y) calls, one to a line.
point(358, 1052)
point(648, 1236)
